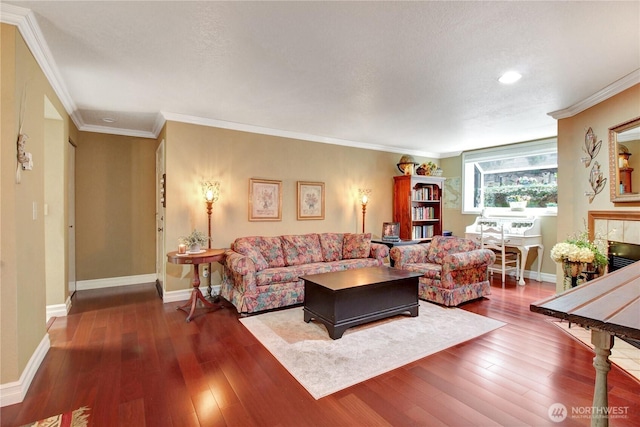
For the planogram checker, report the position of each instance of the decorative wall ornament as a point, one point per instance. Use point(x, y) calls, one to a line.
point(25, 161)
point(596, 180)
point(591, 147)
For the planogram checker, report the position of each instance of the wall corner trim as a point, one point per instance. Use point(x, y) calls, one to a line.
point(28, 26)
point(14, 392)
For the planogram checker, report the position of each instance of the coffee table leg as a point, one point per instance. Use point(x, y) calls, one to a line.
point(335, 333)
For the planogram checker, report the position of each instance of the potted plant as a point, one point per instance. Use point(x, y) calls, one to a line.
point(518, 202)
point(194, 241)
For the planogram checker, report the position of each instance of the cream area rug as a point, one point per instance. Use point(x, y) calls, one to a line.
point(324, 366)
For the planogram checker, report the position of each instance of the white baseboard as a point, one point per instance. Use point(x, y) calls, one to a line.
point(185, 294)
point(14, 392)
point(110, 282)
point(545, 277)
point(59, 310)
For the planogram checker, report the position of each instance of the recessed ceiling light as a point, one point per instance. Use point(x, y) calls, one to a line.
point(510, 77)
point(108, 120)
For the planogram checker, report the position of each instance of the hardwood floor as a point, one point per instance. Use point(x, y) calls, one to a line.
point(135, 362)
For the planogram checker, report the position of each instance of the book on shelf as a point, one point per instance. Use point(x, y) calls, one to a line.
point(423, 231)
point(426, 192)
point(423, 212)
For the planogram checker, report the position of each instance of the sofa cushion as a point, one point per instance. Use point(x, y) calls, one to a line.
point(331, 244)
point(356, 246)
point(430, 271)
point(348, 264)
point(271, 250)
point(271, 276)
point(248, 247)
point(301, 249)
point(441, 246)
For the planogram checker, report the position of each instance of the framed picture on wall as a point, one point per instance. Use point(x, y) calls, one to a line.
point(310, 200)
point(265, 200)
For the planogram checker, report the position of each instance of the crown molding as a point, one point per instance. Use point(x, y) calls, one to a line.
point(159, 124)
point(184, 118)
point(613, 89)
point(28, 26)
point(118, 131)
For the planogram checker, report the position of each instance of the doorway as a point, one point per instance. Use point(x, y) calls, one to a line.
point(54, 211)
point(161, 181)
point(71, 214)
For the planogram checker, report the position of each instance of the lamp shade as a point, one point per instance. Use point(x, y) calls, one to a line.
point(211, 190)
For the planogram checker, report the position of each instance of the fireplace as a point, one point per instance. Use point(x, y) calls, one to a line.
point(622, 254)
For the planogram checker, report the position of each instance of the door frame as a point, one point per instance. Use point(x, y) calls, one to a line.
point(71, 217)
point(160, 218)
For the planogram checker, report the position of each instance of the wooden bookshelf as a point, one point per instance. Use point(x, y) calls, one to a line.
point(417, 206)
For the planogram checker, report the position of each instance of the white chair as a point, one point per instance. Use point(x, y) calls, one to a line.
point(494, 239)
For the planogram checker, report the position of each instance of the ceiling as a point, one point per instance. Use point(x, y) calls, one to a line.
point(406, 77)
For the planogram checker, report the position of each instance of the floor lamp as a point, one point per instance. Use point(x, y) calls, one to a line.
point(211, 192)
point(364, 199)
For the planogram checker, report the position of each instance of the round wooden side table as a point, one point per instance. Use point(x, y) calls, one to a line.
point(207, 256)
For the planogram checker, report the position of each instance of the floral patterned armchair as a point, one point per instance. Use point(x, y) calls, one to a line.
point(454, 268)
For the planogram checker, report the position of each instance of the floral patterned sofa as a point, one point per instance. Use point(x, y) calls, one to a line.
point(262, 273)
point(455, 268)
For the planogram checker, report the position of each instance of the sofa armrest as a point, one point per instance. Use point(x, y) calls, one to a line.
point(241, 270)
point(379, 252)
point(478, 258)
point(409, 254)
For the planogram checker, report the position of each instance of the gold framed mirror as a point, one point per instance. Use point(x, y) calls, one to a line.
point(624, 167)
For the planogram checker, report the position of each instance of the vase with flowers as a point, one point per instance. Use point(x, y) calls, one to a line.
point(581, 258)
point(518, 202)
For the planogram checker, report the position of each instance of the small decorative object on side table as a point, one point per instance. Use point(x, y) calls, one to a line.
point(206, 257)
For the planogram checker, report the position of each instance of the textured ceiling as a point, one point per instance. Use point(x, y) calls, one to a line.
point(416, 77)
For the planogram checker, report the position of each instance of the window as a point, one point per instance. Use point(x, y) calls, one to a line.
point(494, 176)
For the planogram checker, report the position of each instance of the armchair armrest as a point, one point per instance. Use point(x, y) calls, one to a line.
point(478, 258)
point(409, 254)
point(379, 251)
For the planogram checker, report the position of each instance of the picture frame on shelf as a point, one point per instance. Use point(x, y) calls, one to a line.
point(265, 200)
point(391, 231)
point(310, 201)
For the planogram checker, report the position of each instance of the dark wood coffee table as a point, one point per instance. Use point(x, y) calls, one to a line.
point(348, 298)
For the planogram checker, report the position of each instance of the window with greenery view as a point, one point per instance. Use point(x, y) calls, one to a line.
point(493, 176)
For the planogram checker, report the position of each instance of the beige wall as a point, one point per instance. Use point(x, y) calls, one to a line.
point(22, 243)
point(232, 157)
point(573, 176)
point(115, 206)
